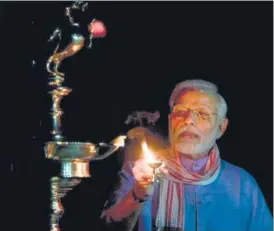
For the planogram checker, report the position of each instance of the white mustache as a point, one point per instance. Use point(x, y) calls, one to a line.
point(190, 130)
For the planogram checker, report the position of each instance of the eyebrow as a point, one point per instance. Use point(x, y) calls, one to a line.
point(198, 107)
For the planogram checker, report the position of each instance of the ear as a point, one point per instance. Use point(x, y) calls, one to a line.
point(222, 127)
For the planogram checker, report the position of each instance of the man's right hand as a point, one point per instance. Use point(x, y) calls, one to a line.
point(144, 178)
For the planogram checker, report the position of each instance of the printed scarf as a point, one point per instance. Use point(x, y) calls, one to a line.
point(170, 211)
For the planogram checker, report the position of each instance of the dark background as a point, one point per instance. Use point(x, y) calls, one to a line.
point(148, 49)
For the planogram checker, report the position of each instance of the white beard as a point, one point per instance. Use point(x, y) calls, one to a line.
point(193, 148)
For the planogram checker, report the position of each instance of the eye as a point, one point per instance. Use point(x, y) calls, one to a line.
point(203, 115)
point(179, 113)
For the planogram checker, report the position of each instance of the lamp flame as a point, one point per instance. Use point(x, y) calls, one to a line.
point(148, 155)
point(152, 161)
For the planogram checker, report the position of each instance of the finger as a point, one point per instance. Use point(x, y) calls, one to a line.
point(141, 170)
point(162, 171)
point(145, 180)
point(144, 168)
point(148, 178)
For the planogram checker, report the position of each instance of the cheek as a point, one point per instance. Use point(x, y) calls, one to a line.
point(206, 129)
point(175, 123)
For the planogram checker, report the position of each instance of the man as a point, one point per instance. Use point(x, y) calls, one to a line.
point(199, 191)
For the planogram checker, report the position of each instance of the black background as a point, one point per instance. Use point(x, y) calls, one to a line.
point(150, 46)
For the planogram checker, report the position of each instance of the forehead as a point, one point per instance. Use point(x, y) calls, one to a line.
point(196, 98)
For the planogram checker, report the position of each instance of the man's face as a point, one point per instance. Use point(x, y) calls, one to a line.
point(194, 123)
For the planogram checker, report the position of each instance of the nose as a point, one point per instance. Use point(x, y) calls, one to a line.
point(189, 119)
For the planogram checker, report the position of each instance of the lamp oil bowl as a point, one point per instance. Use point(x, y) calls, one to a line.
point(75, 156)
point(155, 164)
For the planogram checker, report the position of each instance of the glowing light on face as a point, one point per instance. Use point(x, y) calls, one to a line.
point(193, 122)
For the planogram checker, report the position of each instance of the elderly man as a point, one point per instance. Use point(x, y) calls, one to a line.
point(199, 191)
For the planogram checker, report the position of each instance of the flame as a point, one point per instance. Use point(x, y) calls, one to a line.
point(119, 141)
point(148, 155)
